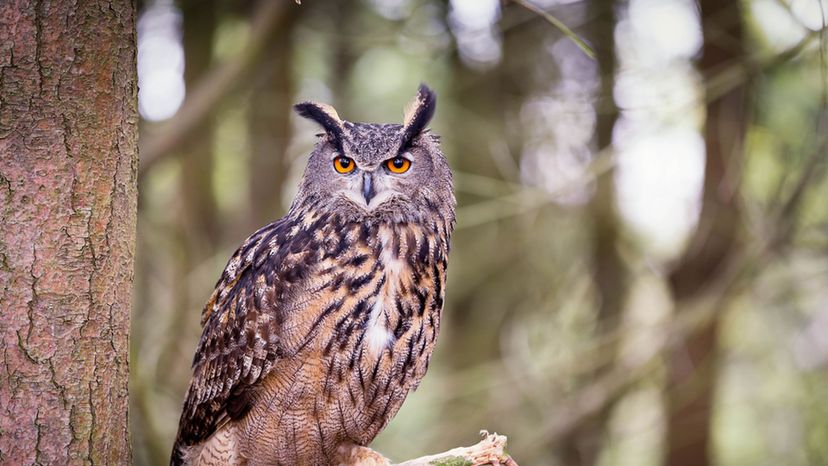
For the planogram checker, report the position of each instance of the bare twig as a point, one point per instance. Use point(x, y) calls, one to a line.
point(735, 75)
point(204, 98)
point(560, 25)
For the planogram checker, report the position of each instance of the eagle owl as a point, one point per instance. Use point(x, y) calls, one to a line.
point(324, 320)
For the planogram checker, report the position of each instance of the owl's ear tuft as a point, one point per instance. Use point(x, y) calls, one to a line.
point(418, 113)
point(326, 117)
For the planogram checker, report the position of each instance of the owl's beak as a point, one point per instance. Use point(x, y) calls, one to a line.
point(368, 191)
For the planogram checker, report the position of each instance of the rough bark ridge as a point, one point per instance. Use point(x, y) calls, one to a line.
point(68, 164)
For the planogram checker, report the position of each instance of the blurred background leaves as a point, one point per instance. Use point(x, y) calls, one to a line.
point(639, 271)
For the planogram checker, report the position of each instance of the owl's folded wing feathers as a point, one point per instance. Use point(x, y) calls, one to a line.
point(239, 342)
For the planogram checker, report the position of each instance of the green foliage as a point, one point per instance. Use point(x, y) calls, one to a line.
point(451, 461)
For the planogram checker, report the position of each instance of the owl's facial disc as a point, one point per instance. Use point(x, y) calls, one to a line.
point(370, 187)
point(369, 165)
point(368, 191)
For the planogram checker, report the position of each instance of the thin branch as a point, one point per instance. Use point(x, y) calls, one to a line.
point(735, 75)
point(560, 25)
point(211, 90)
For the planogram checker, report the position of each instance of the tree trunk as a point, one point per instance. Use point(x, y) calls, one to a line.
point(199, 215)
point(68, 163)
point(487, 139)
point(345, 54)
point(692, 367)
point(609, 273)
point(269, 127)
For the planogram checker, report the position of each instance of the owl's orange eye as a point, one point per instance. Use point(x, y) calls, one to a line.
point(344, 164)
point(398, 165)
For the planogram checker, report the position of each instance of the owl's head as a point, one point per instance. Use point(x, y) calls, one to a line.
point(390, 172)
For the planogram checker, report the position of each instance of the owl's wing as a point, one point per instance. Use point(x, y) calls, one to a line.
point(240, 341)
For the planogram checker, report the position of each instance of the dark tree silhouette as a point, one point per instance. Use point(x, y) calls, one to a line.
point(692, 366)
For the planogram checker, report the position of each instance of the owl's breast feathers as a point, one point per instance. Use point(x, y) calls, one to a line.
point(359, 301)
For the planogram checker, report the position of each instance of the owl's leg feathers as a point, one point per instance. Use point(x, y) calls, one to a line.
point(350, 454)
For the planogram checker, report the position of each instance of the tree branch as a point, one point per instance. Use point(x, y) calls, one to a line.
point(569, 33)
point(491, 450)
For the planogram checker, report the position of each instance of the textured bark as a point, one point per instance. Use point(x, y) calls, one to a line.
point(692, 367)
point(68, 166)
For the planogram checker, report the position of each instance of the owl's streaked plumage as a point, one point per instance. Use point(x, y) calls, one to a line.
point(324, 320)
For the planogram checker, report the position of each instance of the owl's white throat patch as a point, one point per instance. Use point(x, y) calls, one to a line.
point(380, 198)
point(377, 335)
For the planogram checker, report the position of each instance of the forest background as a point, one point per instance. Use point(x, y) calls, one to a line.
point(639, 270)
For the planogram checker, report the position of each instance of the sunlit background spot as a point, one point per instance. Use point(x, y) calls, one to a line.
point(160, 61)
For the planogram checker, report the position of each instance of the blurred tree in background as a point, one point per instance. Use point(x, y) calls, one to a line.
point(639, 272)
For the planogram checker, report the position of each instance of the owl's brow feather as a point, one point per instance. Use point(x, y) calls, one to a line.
point(330, 122)
point(419, 115)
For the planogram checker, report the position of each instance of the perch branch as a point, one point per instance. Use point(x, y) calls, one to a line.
point(489, 451)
